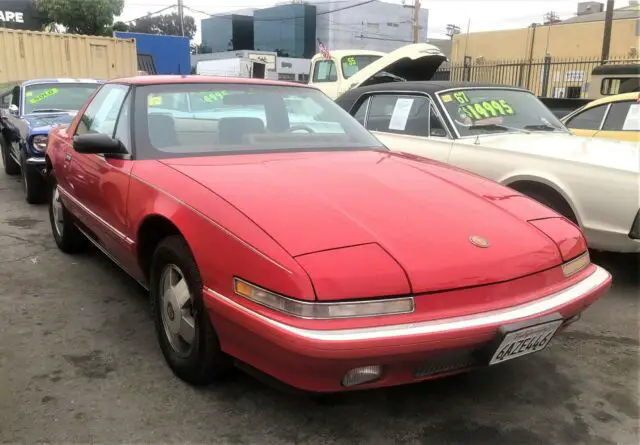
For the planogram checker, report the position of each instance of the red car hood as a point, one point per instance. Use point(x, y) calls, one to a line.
point(313, 202)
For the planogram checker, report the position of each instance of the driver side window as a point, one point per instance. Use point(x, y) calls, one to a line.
point(590, 119)
point(102, 113)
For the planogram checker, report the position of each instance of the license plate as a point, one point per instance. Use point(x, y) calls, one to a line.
point(525, 341)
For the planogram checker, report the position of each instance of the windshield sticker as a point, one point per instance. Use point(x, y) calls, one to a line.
point(29, 93)
point(400, 114)
point(351, 61)
point(447, 98)
point(483, 109)
point(44, 95)
point(154, 101)
point(214, 96)
point(632, 121)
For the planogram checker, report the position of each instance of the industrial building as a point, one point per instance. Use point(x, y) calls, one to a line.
point(292, 29)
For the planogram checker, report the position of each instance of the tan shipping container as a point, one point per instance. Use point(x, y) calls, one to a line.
point(26, 55)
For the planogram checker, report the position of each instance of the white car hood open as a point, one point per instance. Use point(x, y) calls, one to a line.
point(418, 61)
point(624, 156)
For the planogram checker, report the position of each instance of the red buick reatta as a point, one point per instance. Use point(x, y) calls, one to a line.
point(275, 233)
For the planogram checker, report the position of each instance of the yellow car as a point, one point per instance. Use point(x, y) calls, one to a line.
point(613, 117)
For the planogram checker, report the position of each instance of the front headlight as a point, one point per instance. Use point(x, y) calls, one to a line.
point(322, 311)
point(39, 143)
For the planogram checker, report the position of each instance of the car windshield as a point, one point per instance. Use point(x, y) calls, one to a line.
point(475, 111)
point(204, 119)
point(52, 97)
point(352, 64)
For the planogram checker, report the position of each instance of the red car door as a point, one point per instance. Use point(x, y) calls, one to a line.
point(100, 184)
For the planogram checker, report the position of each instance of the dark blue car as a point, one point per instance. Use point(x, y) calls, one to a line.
point(27, 113)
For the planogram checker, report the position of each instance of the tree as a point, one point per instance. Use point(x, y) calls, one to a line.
point(167, 24)
point(120, 26)
point(200, 48)
point(91, 17)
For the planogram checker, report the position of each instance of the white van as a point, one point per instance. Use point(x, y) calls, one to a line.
point(347, 69)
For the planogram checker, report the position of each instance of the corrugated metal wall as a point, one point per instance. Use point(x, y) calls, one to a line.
point(28, 55)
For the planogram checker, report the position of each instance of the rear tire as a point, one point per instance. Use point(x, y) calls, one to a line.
point(11, 167)
point(65, 233)
point(196, 357)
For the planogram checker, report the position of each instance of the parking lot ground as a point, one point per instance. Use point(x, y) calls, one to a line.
point(79, 362)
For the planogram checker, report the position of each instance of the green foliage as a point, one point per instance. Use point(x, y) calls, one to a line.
point(120, 26)
point(200, 48)
point(91, 17)
point(167, 24)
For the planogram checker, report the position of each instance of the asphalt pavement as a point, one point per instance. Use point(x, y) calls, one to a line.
point(79, 362)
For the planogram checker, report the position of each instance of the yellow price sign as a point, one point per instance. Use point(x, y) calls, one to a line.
point(214, 96)
point(447, 98)
point(487, 108)
point(351, 61)
point(154, 101)
point(44, 95)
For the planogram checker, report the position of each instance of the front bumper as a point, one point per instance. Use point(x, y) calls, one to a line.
point(38, 164)
point(609, 241)
point(317, 360)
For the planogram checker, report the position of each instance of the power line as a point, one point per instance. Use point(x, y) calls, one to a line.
point(279, 19)
point(150, 13)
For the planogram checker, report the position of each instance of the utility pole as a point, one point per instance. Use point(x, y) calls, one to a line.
point(181, 16)
point(416, 21)
point(606, 40)
point(453, 30)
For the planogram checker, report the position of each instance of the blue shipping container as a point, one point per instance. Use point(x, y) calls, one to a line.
point(171, 54)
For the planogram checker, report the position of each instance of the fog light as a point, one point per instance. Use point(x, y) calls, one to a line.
point(365, 374)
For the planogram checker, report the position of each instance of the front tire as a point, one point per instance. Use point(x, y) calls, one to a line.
point(33, 184)
point(11, 167)
point(65, 233)
point(187, 339)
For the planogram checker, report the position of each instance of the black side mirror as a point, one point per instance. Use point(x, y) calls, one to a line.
point(98, 143)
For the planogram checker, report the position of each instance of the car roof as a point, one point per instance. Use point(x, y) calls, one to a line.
point(338, 54)
point(614, 98)
point(431, 86)
point(177, 79)
point(60, 80)
point(628, 68)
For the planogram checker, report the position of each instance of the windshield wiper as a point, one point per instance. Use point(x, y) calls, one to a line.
point(49, 110)
point(497, 127)
point(541, 127)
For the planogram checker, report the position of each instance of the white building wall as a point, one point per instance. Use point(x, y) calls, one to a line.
point(377, 26)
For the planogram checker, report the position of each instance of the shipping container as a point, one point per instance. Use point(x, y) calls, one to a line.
point(28, 55)
point(160, 54)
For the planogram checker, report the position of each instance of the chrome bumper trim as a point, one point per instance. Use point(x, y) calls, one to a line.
point(35, 161)
point(498, 317)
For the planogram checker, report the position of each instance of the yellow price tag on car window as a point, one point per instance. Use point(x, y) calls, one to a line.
point(487, 108)
point(447, 98)
point(214, 96)
point(44, 95)
point(154, 101)
point(351, 61)
point(29, 93)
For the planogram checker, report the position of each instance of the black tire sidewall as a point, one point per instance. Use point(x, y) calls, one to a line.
point(206, 360)
point(10, 165)
point(34, 185)
point(71, 239)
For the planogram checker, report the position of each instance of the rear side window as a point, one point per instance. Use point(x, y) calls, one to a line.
point(325, 71)
point(402, 114)
point(623, 116)
point(590, 119)
point(618, 85)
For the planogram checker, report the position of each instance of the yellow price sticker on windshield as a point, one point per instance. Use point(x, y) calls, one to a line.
point(154, 101)
point(214, 96)
point(351, 61)
point(44, 95)
point(487, 109)
point(447, 98)
point(29, 93)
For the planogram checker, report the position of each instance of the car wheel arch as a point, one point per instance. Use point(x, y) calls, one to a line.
point(151, 231)
point(549, 190)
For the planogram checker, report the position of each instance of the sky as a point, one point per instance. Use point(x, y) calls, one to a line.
point(482, 15)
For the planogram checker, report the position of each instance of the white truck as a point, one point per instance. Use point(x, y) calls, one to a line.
point(347, 69)
point(235, 67)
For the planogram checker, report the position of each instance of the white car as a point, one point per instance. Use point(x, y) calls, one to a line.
point(508, 135)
